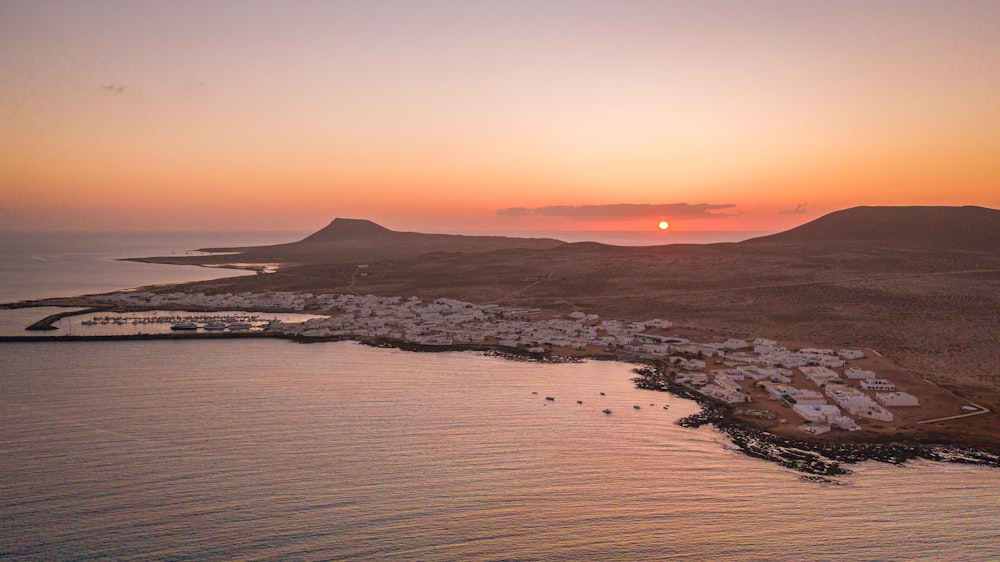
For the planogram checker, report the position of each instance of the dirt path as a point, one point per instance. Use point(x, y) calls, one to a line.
point(982, 410)
point(525, 288)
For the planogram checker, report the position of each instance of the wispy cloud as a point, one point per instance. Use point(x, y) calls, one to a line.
point(799, 209)
point(622, 211)
point(115, 88)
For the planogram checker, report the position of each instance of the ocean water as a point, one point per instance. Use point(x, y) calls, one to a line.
point(36, 265)
point(272, 450)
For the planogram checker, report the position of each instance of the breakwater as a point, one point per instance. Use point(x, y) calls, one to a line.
point(136, 337)
point(47, 322)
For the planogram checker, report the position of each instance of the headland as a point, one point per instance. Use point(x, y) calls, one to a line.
point(821, 338)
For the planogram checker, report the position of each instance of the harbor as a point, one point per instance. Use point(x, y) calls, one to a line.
point(238, 322)
point(105, 322)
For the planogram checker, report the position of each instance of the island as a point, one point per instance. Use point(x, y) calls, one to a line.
point(870, 333)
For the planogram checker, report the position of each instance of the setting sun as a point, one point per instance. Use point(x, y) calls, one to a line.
point(664, 225)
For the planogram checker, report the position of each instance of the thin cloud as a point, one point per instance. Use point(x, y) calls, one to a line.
point(799, 209)
point(622, 211)
point(515, 212)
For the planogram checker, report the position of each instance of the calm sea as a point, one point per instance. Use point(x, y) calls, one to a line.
point(271, 450)
point(37, 265)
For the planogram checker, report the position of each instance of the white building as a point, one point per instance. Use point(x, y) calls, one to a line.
point(791, 394)
point(819, 375)
point(807, 397)
point(877, 384)
point(871, 410)
point(850, 354)
point(829, 362)
point(896, 399)
point(816, 413)
point(843, 422)
point(855, 373)
point(847, 397)
point(725, 394)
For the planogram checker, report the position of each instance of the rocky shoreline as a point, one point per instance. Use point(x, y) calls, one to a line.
point(816, 458)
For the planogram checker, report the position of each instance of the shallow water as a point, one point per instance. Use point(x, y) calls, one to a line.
point(274, 450)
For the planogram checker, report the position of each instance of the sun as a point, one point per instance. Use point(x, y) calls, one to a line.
point(664, 225)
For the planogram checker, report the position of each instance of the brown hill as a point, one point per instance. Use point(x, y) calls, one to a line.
point(929, 228)
point(354, 240)
point(348, 229)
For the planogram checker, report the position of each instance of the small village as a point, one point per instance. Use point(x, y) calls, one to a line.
point(821, 386)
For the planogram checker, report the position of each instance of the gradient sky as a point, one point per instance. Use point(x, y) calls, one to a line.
point(477, 115)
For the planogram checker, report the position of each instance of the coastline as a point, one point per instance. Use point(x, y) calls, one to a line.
point(815, 459)
point(810, 456)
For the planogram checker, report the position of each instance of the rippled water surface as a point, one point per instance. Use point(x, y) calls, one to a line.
point(275, 450)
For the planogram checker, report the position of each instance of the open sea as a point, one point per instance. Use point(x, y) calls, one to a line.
point(272, 450)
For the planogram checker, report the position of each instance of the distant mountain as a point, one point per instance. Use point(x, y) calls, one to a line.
point(354, 240)
point(956, 228)
point(348, 229)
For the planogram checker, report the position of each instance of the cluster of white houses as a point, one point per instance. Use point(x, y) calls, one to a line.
point(761, 363)
point(279, 301)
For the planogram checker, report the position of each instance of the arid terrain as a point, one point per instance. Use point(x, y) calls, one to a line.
point(920, 285)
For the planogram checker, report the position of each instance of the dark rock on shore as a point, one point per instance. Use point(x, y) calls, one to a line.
point(807, 456)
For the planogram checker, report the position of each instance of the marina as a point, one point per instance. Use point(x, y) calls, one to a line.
point(94, 322)
point(185, 322)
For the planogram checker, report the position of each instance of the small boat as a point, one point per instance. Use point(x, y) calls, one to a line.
point(602, 394)
point(666, 406)
point(184, 327)
point(579, 401)
point(550, 399)
point(607, 411)
point(636, 406)
point(534, 393)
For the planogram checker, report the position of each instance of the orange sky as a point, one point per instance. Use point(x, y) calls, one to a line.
point(445, 116)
